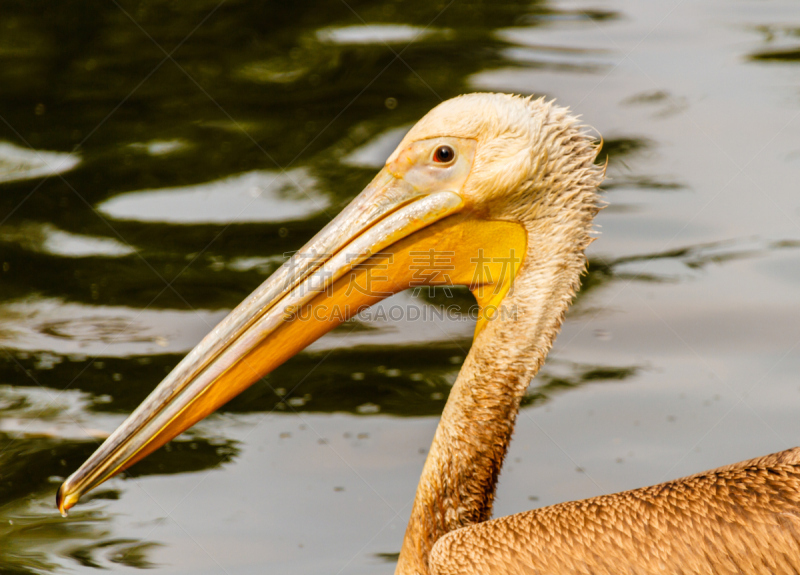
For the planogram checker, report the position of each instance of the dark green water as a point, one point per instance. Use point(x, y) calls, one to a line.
point(158, 160)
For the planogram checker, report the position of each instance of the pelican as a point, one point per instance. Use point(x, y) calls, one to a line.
point(506, 186)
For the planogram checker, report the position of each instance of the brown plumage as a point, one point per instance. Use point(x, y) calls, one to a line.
point(519, 174)
point(742, 518)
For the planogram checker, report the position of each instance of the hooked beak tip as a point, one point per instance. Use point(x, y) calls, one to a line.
point(65, 500)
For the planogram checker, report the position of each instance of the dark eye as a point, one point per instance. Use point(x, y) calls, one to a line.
point(444, 154)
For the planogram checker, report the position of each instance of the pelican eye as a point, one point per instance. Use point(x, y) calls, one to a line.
point(444, 155)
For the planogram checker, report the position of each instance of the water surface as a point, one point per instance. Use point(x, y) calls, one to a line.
point(159, 160)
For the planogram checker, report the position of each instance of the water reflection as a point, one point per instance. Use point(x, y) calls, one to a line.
point(48, 239)
point(52, 325)
point(159, 147)
point(174, 205)
point(377, 34)
point(30, 542)
point(664, 103)
point(24, 164)
point(44, 434)
point(374, 153)
point(34, 540)
point(784, 46)
point(558, 378)
point(252, 197)
point(681, 263)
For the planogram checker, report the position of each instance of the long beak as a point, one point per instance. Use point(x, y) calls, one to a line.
point(266, 328)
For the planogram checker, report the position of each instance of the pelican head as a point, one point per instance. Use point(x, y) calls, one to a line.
point(484, 189)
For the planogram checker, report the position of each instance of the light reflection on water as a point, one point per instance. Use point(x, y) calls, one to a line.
point(252, 197)
point(175, 188)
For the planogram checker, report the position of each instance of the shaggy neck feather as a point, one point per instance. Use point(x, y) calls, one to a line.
point(460, 475)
